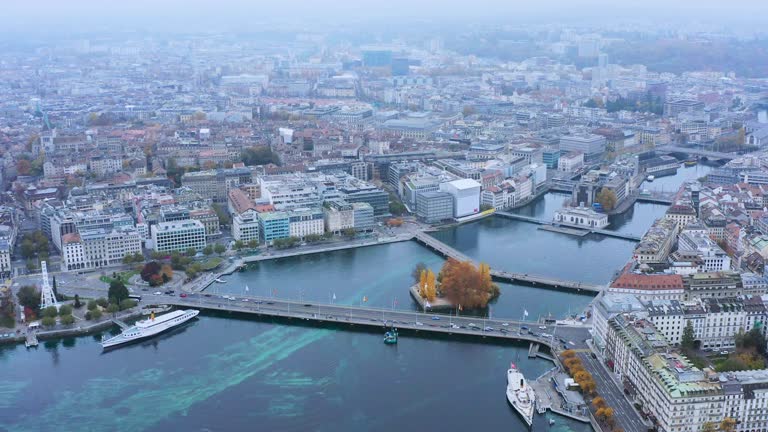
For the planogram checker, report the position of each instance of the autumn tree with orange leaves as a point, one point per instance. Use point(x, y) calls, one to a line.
point(464, 284)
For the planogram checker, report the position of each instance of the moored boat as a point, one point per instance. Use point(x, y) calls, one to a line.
point(150, 327)
point(520, 395)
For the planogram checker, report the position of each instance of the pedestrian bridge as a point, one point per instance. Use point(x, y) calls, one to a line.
point(448, 251)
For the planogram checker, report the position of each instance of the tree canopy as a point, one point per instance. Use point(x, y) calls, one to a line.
point(464, 284)
point(117, 291)
point(261, 155)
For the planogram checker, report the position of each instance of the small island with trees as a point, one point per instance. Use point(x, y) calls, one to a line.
point(459, 285)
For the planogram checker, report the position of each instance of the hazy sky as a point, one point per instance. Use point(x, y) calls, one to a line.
point(86, 15)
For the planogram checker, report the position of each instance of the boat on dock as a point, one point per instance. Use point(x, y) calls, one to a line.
point(150, 327)
point(520, 395)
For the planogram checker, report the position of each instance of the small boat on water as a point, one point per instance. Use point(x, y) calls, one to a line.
point(551, 421)
point(220, 280)
point(390, 337)
point(150, 327)
point(690, 162)
point(520, 395)
point(650, 178)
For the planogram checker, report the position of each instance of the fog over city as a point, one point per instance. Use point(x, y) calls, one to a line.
point(390, 215)
point(56, 16)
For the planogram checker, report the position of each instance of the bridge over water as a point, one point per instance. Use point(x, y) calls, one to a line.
point(448, 251)
point(385, 318)
point(607, 233)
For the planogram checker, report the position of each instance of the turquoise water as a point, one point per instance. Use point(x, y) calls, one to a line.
point(224, 373)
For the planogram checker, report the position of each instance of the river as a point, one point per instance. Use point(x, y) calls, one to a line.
point(225, 372)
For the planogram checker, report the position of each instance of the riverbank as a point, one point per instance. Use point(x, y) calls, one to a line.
point(74, 330)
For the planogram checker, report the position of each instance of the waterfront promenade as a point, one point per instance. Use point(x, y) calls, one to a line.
point(506, 276)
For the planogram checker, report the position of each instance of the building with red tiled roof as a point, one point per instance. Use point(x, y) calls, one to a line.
point(649, 286)
point(239, 201)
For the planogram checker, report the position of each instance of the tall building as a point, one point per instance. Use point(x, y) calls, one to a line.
point(675, 107)
point(178, 236)
point(273, 226)
point(593, 146)
point(245, 226)
point(432, 207)
point(466, 196)
point(215, 184)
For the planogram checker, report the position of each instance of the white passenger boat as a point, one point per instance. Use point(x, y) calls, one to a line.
point(520, 394)
point(150, 327)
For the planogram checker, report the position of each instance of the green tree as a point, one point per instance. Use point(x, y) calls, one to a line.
point(48, 321)
point(208, 250)
point(238, 245)
point(29, 297)
point(27, 249)
point(224, 218)
point(138, 257)
point(261, 155)
point(67, 319)
point(190, 252)
point(93, 314)
point(117, 291)
point(253, 244)
point(219, 248)
point(31, 265)
point(606, 198)
point(128, 259)
point(65, 310)
point(113, 308)
point(689, 337)
point(50, 311)
point(92, 305)
point(127, 304)
point(102, 302)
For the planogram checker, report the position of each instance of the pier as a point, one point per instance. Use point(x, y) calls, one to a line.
point(120, 323)
point(447, 251)
point(604, 232)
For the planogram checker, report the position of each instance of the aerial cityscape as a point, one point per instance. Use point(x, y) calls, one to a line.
point(353, 216)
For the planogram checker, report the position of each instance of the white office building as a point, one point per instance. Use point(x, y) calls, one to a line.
point(466, 196)
point(178, 235)
point(245, 226)
point(97, 248)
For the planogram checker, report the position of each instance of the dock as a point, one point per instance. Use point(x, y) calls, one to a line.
point(120, 323)
point(31, 340)
point(447, 251)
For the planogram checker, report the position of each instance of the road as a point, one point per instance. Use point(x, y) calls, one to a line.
point(497, 328)
point(624, 413)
